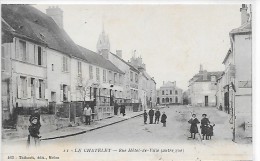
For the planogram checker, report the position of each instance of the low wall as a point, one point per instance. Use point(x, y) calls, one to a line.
point(48, 123)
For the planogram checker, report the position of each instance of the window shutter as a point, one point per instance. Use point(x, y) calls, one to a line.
point(37, 89)
point(17, 49)
point(29, 87)
point(68, 95)
point(27, 51)
point(44, 57)
point(19, 89)
point(35, 54)
point(61, 93)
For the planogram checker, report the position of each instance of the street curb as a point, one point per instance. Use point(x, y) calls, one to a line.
point(84, 131)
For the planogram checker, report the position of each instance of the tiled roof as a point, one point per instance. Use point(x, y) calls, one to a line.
point(131, 67)
point(98, 60)
point(199, 77)
point(27, 21)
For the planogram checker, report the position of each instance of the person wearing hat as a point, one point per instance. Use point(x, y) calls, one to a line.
point(37, 115)
point(193, 127)
point(204, 125)
point(151, 114)
point(34, 131)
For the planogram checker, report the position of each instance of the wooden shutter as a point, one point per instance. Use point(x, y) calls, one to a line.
point(35, 54)
point(44, 57)
point(37, 89)
point(17, 49)
point(29, 87)
point(19, 89)
point(61, 92)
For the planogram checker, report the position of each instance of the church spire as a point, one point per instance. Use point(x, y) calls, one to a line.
point(103, 44)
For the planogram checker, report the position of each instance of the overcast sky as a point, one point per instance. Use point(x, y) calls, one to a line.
point(173, 40)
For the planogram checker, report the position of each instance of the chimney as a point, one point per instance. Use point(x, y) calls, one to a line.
point(119, 53)
point(56, 14)
point(244, 14)
point(201, 68)
point(205, 75)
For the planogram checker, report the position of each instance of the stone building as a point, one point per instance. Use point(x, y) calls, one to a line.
point(169, 94)
point(236, 81)
point(203, 88)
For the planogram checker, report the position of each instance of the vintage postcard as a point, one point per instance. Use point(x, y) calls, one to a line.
point(127, 82)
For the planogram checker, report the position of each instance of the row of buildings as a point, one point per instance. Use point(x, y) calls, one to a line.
point(41, 64)
point(230, 90)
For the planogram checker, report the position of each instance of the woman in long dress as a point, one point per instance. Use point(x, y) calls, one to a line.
point(193, 127)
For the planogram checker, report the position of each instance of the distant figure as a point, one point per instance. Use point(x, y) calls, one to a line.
point(157, 116)
point(34, 131)
point(122, 109)
point(204, 125)
point(220, 107)
point(151, 114)
point(145, 116)
point(87, 113)
point(163, 119)
point(193, 127)
point(115, 108)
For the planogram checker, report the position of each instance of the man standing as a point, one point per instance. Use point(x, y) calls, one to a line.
point(87, 113)
point(151, 114)
point(157, 116)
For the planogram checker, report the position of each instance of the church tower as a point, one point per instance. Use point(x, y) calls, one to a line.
point(103, 45)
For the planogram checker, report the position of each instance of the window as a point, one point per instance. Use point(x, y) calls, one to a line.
point(176, 92)
point(23, 87)
point(136, 78)
point(52, 67)
point(170, 99)
point(162, 92)
point(104, 75)
point(79, 68)
point(32, 87)
point(53, 96)
point(65, 64)
point(4, 63)
point(65, 92)
point(97, 74)
point(131, 76)
point(90, 72)
point(110, 76)
point(115, 77)
point(40, 58)
point(120, 79)
point(170, 91)
point(41, 88)
point(22, 49)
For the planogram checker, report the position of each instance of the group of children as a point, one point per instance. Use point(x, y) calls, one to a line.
point(206, 127)
point(157, 115)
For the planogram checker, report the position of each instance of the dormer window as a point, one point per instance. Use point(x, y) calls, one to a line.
point(213, 78)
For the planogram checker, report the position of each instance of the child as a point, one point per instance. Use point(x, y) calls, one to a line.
point(204, 125)
point(34, 131)
point(209, 131)
point(145, 116)
point(163, 119)
point(193, 127)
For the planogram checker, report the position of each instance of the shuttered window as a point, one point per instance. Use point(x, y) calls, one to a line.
point(90, 72)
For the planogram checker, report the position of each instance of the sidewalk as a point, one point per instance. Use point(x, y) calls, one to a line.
point(71, 131)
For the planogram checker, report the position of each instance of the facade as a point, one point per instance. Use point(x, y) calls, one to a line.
point(169, 93)
point(203, 88)
point(236, 82)
point(147, 84)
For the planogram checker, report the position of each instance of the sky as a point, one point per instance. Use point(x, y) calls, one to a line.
point(172, 39)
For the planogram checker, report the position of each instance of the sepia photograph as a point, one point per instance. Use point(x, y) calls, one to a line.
point(136, 81)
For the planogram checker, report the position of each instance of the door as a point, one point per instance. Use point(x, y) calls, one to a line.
point(206, 101)
point(73, 111)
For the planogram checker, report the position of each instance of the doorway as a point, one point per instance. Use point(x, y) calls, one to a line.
point(206, 100)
